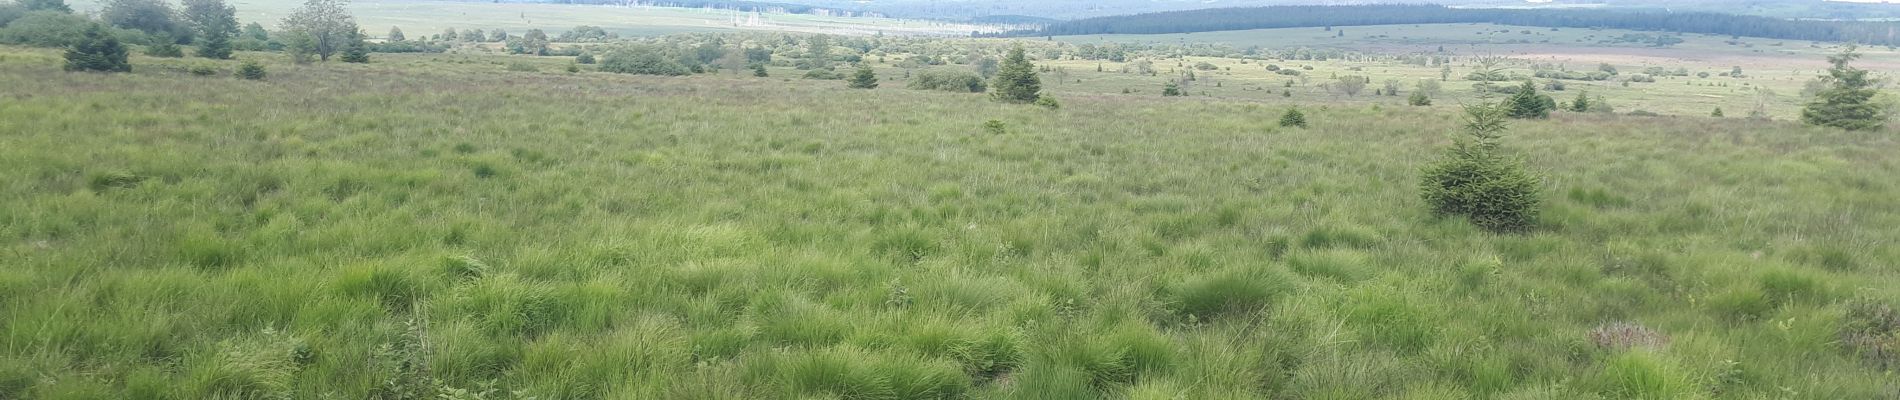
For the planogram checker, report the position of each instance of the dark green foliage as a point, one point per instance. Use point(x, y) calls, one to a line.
point(1527, 104)
point(1717, 113)
point(46, 5)
point(1016, 81)
point(45, 29)
point(1848, 101)
point(216, 47)
point(864, 78)
point(164, 49)
point(584, 58)
point(203, 70)
point(948, 80)
point(758, 70)
point(153, 17)
point(641, 62)
point(251, 70)
point(1220, 294)
point(97, 51)
point(215, 23)
point(1419, 98)
point(1171, 90)
point(1048, 102)
point(1475, 180)
point(1582, 103)
point(354, 49)
point(1293, 118)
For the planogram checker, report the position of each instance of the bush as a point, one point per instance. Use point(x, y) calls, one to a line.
point(1419, 99)
point(584, 58)
point(1293, 118)
point(1526, 103)
point(641, 63)
point(864, 78)
point(251, 70)
point(45, 29)
point(164, 49)
point(1048, 102)
point(823, 75)
point(203, 70)
point(949, 81)
point(1475, 181)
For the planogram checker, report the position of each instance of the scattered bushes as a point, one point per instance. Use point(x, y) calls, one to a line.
point(949, 81)
point(1476, 181)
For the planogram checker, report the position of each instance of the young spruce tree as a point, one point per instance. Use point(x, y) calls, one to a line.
point(865, 78)
point(1848, 101)
point(1476, 180)
point(97, 51)
point(1527, 104)
point(1016, 80)
point(355, 50)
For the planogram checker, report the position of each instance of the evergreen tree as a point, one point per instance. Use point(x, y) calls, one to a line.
point(865, 78)
point(758, 70)
point(215, 23)
point(395, 34)
point(1477, 181)
point(1582, 104)
point(1016, 80)
point(97, 51)
point(1419, 98)
point(1293, 118)
point(354, 49)
point(1848, 101)
point(251, 70)
point(1526, 103)
point(1717, 113)
point(1171, 89)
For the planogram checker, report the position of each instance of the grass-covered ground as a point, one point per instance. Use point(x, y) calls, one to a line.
point(429, 226)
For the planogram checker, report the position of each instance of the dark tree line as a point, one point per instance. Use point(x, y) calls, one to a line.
point(1883, 33)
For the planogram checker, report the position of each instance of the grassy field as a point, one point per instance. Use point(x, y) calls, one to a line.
point(1775, 72)
point(424, 17)
point(437, 224)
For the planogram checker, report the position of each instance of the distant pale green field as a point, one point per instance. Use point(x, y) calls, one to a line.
point(1775, 71)
point(424, 17)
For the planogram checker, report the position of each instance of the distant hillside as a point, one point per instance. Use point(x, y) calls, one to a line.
point(1226, 19)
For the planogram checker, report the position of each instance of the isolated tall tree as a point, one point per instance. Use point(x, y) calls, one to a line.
point(97, 51)
point(395, 34)
point(1848, 101)
point(354, 49)
point(1016, 80)
point(865, 78)
point(215, 22)
point(46, 5)
point(326, 23)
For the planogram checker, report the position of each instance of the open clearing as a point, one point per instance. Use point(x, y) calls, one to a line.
point(363, 231)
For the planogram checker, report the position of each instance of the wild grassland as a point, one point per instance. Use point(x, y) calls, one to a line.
point(436, 224)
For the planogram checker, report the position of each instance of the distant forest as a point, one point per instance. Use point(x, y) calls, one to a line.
point(1228, 19)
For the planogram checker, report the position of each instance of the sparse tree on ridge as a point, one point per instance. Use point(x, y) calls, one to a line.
point(1016, 80)
point(327, 25)
point(1848, 102)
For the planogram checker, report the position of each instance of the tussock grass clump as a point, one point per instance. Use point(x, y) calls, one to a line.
point(1625, 336)
point(1227, 293)
point(1477, 181)
point(1644, 375)
point(1872, 330)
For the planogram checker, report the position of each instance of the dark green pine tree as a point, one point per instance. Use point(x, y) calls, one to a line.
point(1848, 101)
point(758, 70)
point(354, 49)
point(865, 78)
point(216, 47)
point(1016, 80)
point(1527, 104)
point(1582, 104)
point(1476, 180)
point(1293, 118)
point(97, 51)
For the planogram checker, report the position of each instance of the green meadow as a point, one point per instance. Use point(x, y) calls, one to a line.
point(454, 227)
